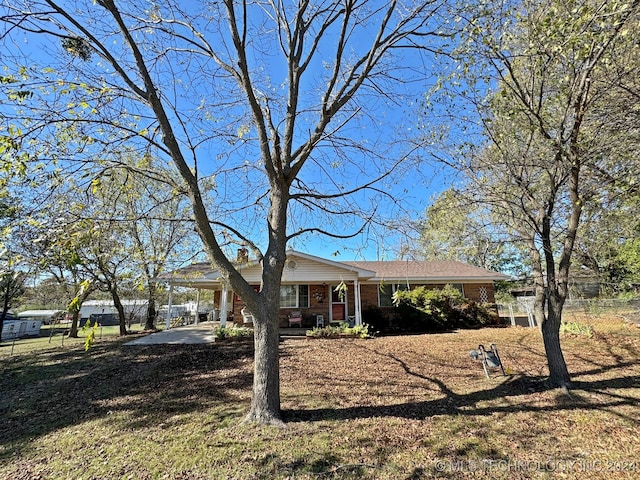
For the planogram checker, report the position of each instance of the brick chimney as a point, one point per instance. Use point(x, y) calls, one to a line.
point(243, 255)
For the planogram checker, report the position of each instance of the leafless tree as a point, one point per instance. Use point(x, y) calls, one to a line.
point(293, 116)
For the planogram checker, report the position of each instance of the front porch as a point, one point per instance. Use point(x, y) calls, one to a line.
point(322, 292)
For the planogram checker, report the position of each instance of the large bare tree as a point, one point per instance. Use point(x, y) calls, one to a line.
point(293, 113)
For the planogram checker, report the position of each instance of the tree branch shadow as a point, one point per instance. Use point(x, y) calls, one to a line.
point(513, 386)
point(149, 384)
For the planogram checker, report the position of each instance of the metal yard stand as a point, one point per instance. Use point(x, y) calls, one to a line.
point(490, 358)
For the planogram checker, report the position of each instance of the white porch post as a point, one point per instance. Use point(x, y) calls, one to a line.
point(357, 301)
point(168, 319)
point(198, 307)
point(223, 305)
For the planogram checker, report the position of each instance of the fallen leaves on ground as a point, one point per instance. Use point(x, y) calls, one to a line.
point(382, 408)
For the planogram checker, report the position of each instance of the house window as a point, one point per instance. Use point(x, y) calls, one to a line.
point(294, 296)
point(385, 293)
point(303, 296)
point(457, 286)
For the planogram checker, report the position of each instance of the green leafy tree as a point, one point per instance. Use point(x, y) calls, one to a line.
point(158, 233)
point(543, 81)
point(608, 246)
point(12, 271)
point(52, 248)
point(46, 294)
point(139, 225)
point(459, 228)
point(99, 260)
point(104, 258)
point(11, 288)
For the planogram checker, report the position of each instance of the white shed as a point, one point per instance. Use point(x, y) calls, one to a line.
point(20, 328)
point(132, 308)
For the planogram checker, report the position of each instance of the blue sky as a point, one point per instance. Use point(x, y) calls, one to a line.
point(381, 125)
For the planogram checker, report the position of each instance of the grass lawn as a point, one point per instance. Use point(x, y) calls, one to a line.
point(55, 336)
point(407, 407)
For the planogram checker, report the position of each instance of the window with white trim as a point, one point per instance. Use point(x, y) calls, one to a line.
point(385, 293)
point(294, 296)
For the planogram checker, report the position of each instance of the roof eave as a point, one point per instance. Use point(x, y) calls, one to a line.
point(405, 279)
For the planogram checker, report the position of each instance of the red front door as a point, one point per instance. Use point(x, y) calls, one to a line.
point(338, 306)
point(337, 312)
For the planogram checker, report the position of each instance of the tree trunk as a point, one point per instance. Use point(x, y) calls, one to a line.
point(75, 313)
point(265, 400)
point(558, 372)
point(150, 324)
point(547, 310)
point(3, 315)
point(75, 317)
point(120, 308)
point(5, 307)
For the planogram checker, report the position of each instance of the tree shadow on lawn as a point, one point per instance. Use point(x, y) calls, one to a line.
point(513, 386)
point(45, 392)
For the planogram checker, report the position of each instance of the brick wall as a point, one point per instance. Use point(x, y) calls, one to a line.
point(369, 295)
point(472, 291)
point(320, 304)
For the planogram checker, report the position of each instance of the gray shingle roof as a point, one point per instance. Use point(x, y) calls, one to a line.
point(431, 270)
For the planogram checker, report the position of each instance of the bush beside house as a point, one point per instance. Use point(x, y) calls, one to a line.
point(424, 309)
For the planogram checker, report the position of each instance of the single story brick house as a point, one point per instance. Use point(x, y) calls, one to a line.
point(309, 285)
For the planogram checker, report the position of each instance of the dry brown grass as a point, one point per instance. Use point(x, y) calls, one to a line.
point(404, 407)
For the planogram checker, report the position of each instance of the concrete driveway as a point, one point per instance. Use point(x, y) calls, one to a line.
point(201, 333)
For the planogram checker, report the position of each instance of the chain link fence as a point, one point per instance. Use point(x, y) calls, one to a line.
point(54, 336)
point(602, 314)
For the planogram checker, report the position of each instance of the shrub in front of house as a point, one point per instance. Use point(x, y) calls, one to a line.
point(376, 319)
point(410, 319)
point(424, 309)
point(342, 330)
point(427, 310)
point(233, 332)
point(475, 315)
